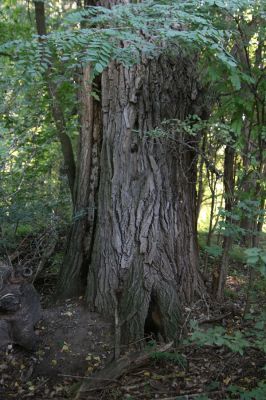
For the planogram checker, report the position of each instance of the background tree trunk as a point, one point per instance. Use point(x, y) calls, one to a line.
point(201, 188)
point(229, 185)
point(145, 249)
point(57, 112)
point(72, 276)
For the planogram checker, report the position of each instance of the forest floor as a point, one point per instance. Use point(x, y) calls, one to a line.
point(74, 344)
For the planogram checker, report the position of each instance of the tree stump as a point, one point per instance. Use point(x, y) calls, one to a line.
point(20, 310)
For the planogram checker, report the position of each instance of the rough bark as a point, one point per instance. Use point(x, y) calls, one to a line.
point(145, 246)
point(72, 277)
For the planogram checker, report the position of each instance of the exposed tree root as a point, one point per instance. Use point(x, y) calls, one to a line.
point(116, 369)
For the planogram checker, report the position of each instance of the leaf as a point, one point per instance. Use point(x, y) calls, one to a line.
point(98, 68)
point(95, 96)
point(214, 250)
point(236, 125)
point(235, 80)
point(262, 269)
point(227, 380)
point(260, 325)
point(65, 347)
point(68, 313)
point(263, 257)
point(253, 251)
point(252, 260)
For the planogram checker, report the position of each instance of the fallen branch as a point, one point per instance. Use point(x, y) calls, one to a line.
point(133, 387)
point(87, 377)
point(190, 396)
point(116, 369)
point(214, 319)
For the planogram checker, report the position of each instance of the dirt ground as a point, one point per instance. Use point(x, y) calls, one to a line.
point(75, 343)
point(72, 342)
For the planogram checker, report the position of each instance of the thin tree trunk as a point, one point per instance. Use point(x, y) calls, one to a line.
point(212, 179)
point(200, 192)
point(212, 187)
point(57, 112)
point(247, 184)
point(145, 247)
point(257, 230)
point(229, 202)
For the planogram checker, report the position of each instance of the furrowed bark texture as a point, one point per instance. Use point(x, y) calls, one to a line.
point(72, 277)
point(145, 245)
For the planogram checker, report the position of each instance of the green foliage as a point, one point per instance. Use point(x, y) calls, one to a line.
point(213, 251)
point(31, 186)
point(14, 21)
point(236, 341)
point(156, 22)
point(144, 28)
point(258, 393)
point(34, 190)
point(230, 294)
point(256, 258)
point(237, 255)
point(217, 336)
point(258, 332)
point(228, 224)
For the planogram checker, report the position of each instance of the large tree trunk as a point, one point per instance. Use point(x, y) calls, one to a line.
point(145, 254)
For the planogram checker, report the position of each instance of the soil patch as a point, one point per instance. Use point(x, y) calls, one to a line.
point(72, 342)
